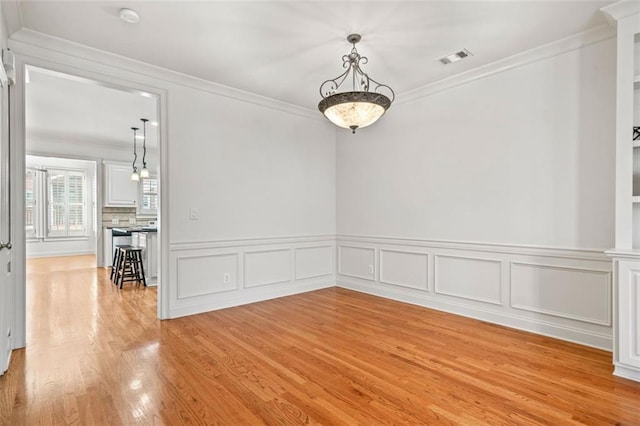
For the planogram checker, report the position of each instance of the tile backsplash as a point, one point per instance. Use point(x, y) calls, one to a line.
point(125, 216)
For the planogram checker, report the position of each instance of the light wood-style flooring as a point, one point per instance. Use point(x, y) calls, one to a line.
point(98, 355)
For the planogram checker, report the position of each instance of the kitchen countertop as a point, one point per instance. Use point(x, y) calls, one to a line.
point(123, 231)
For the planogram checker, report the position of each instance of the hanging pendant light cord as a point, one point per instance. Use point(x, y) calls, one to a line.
point(144, 142)
point(135, 155)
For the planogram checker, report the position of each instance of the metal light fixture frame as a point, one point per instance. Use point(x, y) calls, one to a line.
point(362, 84)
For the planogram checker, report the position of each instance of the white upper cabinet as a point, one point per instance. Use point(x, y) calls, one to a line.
point(119, 189)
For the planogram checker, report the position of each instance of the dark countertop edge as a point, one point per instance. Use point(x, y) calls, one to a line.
point(130, 230)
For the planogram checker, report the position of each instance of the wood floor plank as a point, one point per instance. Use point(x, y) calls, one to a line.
point(97, 355)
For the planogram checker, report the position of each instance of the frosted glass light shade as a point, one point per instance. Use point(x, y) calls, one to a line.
point(353, 110)
point(144, 173)
point(135, 177)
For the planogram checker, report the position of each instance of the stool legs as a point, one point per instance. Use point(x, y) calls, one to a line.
point(130, 267)
point(114, 264)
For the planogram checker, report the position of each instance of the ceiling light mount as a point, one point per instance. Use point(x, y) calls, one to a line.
point(364, 104)
point(130, 16)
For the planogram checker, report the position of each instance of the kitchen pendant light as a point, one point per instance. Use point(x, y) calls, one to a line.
point(144, 173)
point(135, 176)
point(359, 107)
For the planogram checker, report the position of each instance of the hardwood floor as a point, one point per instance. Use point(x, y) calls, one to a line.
point(98, 355)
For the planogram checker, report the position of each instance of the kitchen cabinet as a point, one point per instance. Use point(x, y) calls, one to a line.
point(627, 353)
point(119, 189)
point(148, 241)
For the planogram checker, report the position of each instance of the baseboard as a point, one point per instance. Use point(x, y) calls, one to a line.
point(60, 254)
point(249, 296)
point(627, 372)
point(427, 300)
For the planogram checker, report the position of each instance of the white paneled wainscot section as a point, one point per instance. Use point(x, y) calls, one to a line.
point(560, 293)
point(223, 274)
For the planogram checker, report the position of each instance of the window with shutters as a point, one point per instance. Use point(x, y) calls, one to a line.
point(148, 204)
point(67, 205)
point(57, 203)
point(30, 216)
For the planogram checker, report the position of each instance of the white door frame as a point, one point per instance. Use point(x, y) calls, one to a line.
point(7, 303)
point(115, 79)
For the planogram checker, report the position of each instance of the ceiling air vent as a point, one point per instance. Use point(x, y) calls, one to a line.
point(453, 57)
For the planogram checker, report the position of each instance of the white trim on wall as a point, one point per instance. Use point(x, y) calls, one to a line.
point(555, 48)
point(36, 44)
point(486, 294)
point(203, 288)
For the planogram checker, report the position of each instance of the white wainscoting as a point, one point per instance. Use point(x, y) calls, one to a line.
point(469, 278)
point(575, 293)
point(203, 274)
point(220, 274)
point(357, 262)
point(404, 268)
point(556, 292)
point(314, 262)
point(265, 267)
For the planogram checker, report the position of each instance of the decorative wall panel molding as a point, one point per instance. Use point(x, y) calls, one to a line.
point(563, 293)
point(222, 274)
point(199, 275)
point(574, 293)
point(313, 262)
point(469, 277)
point(267, 267)
point(404, 268)
point(357, 262)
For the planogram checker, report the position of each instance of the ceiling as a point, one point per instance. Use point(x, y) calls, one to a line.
point(71, 109)
point(285, 49)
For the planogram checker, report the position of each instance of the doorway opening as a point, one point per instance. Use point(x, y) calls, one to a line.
point(78, 190)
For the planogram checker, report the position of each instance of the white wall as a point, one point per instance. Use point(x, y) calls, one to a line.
point(471, 178)
point(252, 172)
point(520, 157)
point(263, 184)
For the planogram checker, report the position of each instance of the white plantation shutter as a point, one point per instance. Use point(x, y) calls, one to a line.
point(67, 203)
point(30, 213)
point(149, 196)
point(76, 202)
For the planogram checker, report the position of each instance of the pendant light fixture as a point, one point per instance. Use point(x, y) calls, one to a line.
point(144, 173)
point(364, 104)
point(135, 176)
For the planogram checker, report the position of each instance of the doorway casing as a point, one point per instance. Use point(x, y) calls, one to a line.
point(27, 56)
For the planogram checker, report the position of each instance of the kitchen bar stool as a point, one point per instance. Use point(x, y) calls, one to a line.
point(130, 266)
point(117, 259)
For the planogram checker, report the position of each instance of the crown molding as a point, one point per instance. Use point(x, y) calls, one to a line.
point(617, 11)
point(549, 50)
point(27, 42)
